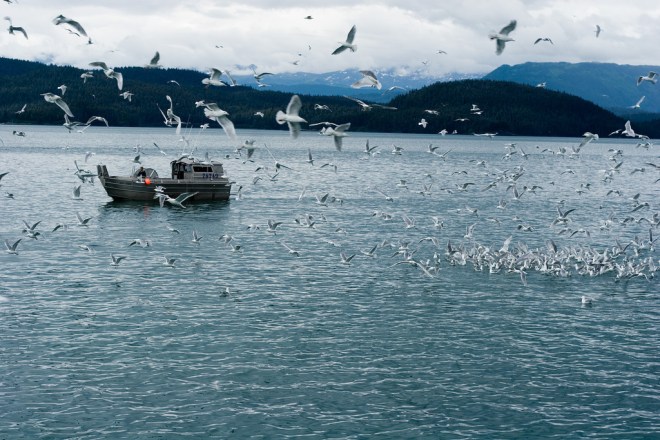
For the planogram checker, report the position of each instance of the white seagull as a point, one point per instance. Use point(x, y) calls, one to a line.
point(13, 29)
point(82, 221)
point(74, 24)
point(110, 73)
point(598, 30)
point(116, 260)
point(178, 201)
point(502, 37)
point(651, 77)
point(153, 64)
point(368, 80)
point(638, 102)
point(11, 248)
point(57, 100)
point(337, 133)
point(291, 117)
point(215, 113)
point(348, 44)
point(214, 78)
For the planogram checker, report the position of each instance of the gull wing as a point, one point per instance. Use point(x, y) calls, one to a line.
point(339, 50)
point(295, 104)
point(227, 126)
point(185, 196)
point(120, 79)
point(294, 128)
point(351, 35)
point(73, 23)
point(100, 64)
point(63, 105)
point(343, 127)
point(499, 45)
point(509, 27)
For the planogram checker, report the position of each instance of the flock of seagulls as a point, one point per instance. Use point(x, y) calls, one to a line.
point(632, 259)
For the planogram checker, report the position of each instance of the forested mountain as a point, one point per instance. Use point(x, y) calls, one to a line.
point(611, 86)
point(508, 108)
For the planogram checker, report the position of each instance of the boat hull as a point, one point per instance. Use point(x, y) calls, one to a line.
point(131, 188)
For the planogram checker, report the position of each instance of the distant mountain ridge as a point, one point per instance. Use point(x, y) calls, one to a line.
point(508, 108)
point(611, 86)
point(338, 83)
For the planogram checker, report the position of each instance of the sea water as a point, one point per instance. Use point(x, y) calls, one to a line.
point(243, 339)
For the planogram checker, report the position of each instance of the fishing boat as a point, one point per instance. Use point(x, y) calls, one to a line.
point(188, 175)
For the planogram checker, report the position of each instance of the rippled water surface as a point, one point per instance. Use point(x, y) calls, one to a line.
point(305, 346)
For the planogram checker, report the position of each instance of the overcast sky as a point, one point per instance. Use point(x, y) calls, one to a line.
point(273, 34)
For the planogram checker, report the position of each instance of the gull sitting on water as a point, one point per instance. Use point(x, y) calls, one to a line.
point(291, 117)
point(57, 100)
point(110, 73)
point(502, 37)
point(348, 44)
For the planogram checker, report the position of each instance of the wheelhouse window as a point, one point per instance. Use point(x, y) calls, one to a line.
point(202, 169)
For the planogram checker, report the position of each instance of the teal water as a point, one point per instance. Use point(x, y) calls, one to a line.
point(305, 346)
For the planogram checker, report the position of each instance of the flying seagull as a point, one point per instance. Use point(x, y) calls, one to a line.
point(651, 77)
point(598, 30)
point(13, 29)
point(57, 100)
point(73, 23)
point(214, 78)
point(502, 36)
point(348, 44)
point(337, 133)
point(638, 102)
point(110, 73)
point(291, 117)
point(153, 64)
point(368, 80)
point(538, 40)
point(215, 113)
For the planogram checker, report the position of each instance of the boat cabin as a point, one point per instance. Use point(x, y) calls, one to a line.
point(190, 169)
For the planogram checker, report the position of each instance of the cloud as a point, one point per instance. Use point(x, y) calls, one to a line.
point(392, 34)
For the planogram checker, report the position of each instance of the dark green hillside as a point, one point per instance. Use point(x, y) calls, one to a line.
point(508, 108)
point(611, 86)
